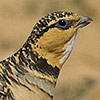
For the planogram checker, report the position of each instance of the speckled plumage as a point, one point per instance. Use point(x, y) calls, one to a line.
point(33, 70)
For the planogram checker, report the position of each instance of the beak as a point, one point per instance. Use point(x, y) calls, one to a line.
point(83, 21)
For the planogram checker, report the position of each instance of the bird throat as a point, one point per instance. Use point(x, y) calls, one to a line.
point(57, 54)
point(52, 47)
point(67, 49)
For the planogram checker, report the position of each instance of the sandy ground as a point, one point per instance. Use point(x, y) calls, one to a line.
point(80, 75)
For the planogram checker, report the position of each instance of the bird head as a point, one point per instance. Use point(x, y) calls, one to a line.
point(53, 36)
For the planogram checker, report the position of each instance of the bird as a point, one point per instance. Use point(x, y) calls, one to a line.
point(31, 73)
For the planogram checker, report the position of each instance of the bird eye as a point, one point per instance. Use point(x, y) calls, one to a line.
point(63, 24)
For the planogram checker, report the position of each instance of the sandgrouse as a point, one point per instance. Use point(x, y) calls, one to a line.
point(31, 73)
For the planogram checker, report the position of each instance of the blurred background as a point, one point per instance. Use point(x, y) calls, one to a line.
point(80, 76)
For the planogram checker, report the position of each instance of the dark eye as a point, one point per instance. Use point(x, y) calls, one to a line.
point(63, 24)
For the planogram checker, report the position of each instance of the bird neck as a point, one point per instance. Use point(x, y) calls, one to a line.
point(27, 68)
